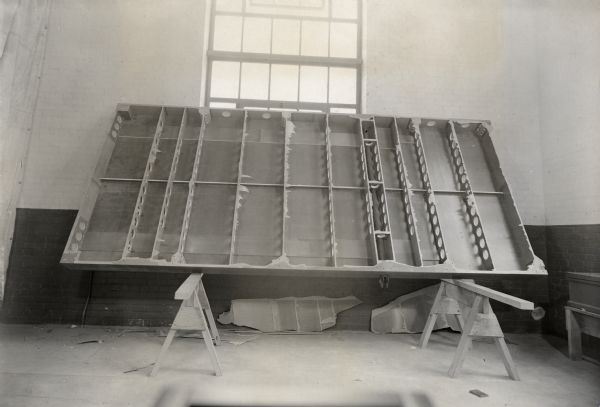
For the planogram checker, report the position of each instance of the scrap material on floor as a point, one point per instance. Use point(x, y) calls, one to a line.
point(44, 366)
point(408, 313)
point(306, 314)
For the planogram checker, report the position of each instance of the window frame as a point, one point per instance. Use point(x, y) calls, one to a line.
point(299, 61)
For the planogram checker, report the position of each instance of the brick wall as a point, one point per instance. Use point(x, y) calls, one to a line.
point(40, 290)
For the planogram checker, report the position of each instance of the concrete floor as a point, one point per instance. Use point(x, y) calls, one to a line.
point(45, 366)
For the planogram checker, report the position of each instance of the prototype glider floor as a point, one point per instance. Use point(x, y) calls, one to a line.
point(45, 365)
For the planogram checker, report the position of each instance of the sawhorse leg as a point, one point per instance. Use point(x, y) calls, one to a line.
point(465, 339)
point(430, 324)
point(203, 298)
point(488, 328)
point(163, 351)
point(574, 335)
point(441, 305)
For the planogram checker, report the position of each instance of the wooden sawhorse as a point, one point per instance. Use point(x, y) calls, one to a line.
point(477, 324)
point(192, 316)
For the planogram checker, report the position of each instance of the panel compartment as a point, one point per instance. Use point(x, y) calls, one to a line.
point(224, 125)
point(219, 161)
point(454, 220)
point(145, 233)
point(346, 166)
point(263, 163)
point(142, 123)
point(409, 153)
point(429, 253)
point(437, 154)
point(164, 159)
point(499, 232)
point(480, 173)
point(403, 251)
point(308, 165)
point(209, 232)
point(387, 151)
point(264, 127)
point(353, 242)
point(105, 237)
point(129, 158)
point(259, 231)
point(307, 227)
point(185, 165)
point(308, 153)
point(173, 221)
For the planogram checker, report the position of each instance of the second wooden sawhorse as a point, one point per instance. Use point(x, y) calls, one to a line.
point(194, 315)
point(480, 321)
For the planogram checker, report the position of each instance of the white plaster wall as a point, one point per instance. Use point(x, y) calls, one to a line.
point(531, 67)
point(100, 53)
point(569, 75)
point(463, 59)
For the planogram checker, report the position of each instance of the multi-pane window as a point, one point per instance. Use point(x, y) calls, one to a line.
point(285, 54)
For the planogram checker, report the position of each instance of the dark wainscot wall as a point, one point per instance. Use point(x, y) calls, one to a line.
point(40, 290)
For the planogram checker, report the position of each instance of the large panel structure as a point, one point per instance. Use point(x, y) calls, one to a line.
point(271, 192)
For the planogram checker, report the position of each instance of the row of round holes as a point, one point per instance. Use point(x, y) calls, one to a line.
point(375, 161)
point(480, 130)
point(435, 223)
point(78, 236)
point(409, 218)
point(432, 211)
point(421, 160)
point(436, 228)
point(432, 123)
point(116, 127)
point(477, 231)
point(227, 114)
point(460, 165)
point(383, 214)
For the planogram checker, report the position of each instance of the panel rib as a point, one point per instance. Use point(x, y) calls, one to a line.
point(135, 219)
point(330, 193)
point(472, 212)
point(178, 256)
point(379, 212)
point(169, 189)
point(367, 195)
point(289, 131)
point(238, 191)
point(432, 214)
point(406, 198)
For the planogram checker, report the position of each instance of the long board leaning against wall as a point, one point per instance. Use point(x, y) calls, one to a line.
point(267, 192)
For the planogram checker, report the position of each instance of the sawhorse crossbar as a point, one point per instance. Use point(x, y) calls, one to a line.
point(480, 321)
point(194, 315)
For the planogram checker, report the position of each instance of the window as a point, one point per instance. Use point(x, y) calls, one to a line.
point(285, 54)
